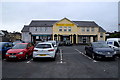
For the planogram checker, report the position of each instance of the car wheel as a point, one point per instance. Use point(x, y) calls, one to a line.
point(34, 59)
point(26, 56)
point(54, 58)
point(93, 56)
point(85, 52)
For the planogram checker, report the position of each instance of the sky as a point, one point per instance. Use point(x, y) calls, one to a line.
point(16, 14)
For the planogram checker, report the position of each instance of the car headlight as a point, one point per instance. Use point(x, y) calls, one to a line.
point(20, 53)
point(98, 52)
point(7, 53)
point(115, 52)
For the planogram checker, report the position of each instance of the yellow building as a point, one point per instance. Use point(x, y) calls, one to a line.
point(77, 31)
point(64, 29)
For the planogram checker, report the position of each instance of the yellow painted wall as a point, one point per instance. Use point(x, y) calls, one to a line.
point(67, 23)
point(103, 38)
point(80, 32)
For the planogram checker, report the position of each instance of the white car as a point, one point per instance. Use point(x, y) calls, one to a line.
point(44, 50)
point(55, 45)
point(114, 43)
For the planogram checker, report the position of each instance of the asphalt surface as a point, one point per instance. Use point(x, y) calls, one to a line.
point(70, 63)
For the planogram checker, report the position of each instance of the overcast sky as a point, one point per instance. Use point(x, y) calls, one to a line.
point(17, 14)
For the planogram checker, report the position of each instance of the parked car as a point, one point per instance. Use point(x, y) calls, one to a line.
point(20, 51)
point(115, 44)
point(4, 47)
point(14, 43)
point(29, 42)
point(44, 50)
point(67, 43)
point(55, 45)
point(98, 50)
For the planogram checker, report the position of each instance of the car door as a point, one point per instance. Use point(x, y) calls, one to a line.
point(90, 49)
point(30, 48)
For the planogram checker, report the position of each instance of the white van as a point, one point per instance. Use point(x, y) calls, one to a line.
point(114, 43)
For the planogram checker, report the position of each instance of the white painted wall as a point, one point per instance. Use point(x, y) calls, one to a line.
point(26, 36)
point(41, 30)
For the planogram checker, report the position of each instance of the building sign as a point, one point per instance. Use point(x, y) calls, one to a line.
point(64, 24)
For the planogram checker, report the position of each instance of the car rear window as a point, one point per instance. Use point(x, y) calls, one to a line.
point(43, 46)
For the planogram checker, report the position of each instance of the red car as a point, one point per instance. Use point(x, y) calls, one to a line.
point(20, 51)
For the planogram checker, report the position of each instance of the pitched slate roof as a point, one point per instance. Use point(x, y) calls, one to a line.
point(101, 29)
point(25, 28)
point(86, 23)
point(48, 23)
point(41, 23)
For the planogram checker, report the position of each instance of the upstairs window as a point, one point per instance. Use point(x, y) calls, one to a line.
point(101, 35)
point(65, 28)
point(45, 28)
point(35, 28)
point(69, 28)
point(60, 28)
point(88, 29)
point(92, 29)
point(83, 29)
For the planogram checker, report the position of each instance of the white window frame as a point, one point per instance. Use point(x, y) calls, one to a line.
point(92, 29)
point(83, 29)
point(69, 29)
point(87, 29)
point(65, 28)
point(60, 28)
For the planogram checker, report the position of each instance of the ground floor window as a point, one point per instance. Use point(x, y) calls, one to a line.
point(87, 38)
point(41, 38)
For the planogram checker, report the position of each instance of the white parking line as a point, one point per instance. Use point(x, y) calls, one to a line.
point(85, 55)
point(61, 57)
point(29, 61)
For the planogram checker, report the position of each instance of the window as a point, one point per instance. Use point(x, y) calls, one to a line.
point(101, 35)
point(92, 29)
point(109, 43)
point(88, 29)
point(60, 28)
point(37, 37)
point(43, 46)
point(83, 29)
point(69, 28)
point(65, 28)
point(35, 28)
point(116, 44)
point(45, 28)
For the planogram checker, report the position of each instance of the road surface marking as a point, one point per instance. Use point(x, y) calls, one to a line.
point(85, 55)
point(29, 61)
point(61, 57)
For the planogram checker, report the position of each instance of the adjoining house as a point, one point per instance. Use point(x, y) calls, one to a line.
point(64, 29)
point(15, 36)
point(4, 36)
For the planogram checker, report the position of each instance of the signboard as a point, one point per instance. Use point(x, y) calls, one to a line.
point(64, 24)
